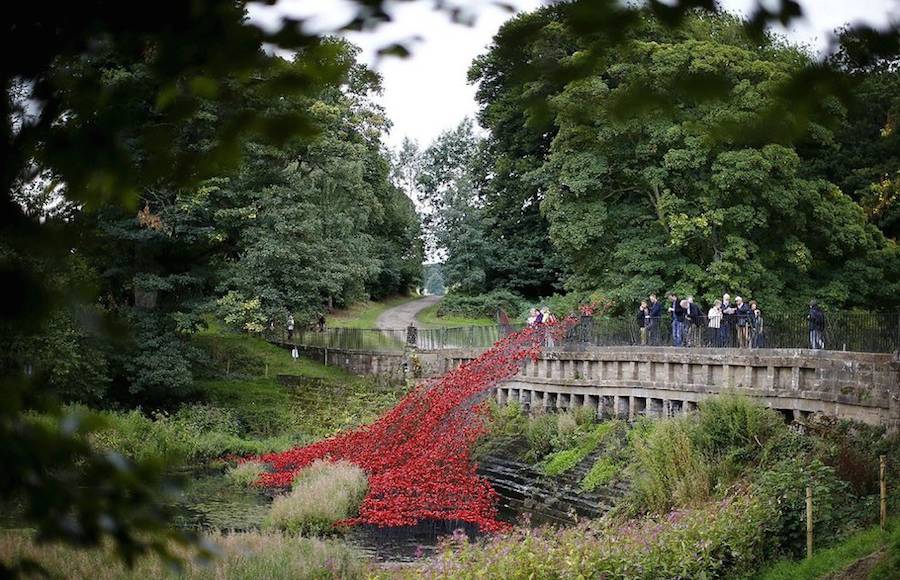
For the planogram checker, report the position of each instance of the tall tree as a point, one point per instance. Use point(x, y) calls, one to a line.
point(648, 187)
point(455, 216)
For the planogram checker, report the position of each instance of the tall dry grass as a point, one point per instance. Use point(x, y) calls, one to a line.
point(323, 494)
point(250, 556)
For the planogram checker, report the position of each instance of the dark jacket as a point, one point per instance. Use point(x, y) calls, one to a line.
point(679, 312)
point(696, 314)
point(656, 310)
point(816, 319)
point(743, 314)
point(728, 318)
point(641, 320)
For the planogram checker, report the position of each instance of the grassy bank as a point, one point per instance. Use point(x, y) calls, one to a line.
point(239, 407)
point(249, 556)
point(836, 558)
point(364, 314)
point(430, 318)
point(682, 474)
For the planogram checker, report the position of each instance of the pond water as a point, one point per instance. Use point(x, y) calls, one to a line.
point(210, 501)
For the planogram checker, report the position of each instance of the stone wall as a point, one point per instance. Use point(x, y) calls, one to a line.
point(391, 365)
point(628, 382)
point(663, 381)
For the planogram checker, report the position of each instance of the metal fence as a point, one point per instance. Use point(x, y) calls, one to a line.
point(849, 331)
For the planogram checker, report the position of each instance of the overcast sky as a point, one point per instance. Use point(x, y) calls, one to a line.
point(427, 93)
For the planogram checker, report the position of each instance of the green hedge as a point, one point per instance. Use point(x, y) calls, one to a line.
point(484, 305)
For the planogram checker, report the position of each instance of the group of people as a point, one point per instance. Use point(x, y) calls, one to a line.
point(726, 323)
point(540, 316)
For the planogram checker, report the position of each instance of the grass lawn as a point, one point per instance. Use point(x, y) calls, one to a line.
point(429, 318)
point(364, 314)
point(835, 558)
point(269, 409)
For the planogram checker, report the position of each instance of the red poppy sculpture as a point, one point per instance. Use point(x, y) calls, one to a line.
point(418, 455)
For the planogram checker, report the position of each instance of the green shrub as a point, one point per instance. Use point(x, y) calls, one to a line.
point(718, 539)
point(323, 494)
point(563, 461)
point(668, 470)
point(602, 472)
point(784, 486)
point(732, 433)
point(567, 432)
point(483, 305)
point(194, 433)
point(584, 415)
point(540, 434)
point(245, 474)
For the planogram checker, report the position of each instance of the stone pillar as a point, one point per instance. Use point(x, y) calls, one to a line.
point(501, 397)
point(631, 408)
point(538, 400)
point(593, 401)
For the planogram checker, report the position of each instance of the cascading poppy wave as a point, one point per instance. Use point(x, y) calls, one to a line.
point(418, 454)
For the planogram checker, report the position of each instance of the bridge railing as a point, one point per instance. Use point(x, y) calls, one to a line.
point(849, 331)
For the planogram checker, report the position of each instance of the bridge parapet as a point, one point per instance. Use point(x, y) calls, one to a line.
point(631, 381)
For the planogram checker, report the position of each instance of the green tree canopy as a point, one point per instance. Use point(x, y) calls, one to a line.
point(647, 186)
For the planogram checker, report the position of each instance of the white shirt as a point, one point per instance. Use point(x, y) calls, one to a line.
point(715, 317)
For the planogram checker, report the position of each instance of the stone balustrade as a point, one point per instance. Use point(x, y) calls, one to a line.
point(628, 382)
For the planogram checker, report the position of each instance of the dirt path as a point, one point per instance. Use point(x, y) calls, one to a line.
point(402, 316)
point(860, 569)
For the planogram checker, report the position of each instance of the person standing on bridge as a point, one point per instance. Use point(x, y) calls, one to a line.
point(643, 315)
point(816, 326)
point(726, 336)
point(695, 324)
point(757, 338)
point(654, 315)
point(677, 310)
point(290, 326)
point(715, 323)
point(742, 311)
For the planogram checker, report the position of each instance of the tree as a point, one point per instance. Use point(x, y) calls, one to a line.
point(864, 156)
point(517, 144)
point(660, 193)
point(455, 217)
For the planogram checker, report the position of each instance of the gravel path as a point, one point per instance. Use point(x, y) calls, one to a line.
point(400, 317)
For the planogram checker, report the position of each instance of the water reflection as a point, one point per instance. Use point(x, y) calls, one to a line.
point(211, 501)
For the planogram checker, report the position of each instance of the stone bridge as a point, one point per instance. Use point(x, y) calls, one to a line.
point(628, 382)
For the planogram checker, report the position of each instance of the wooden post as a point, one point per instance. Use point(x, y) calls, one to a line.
point(228, 366)
point(809, 522)
point(883, 482)
point(267, 370)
